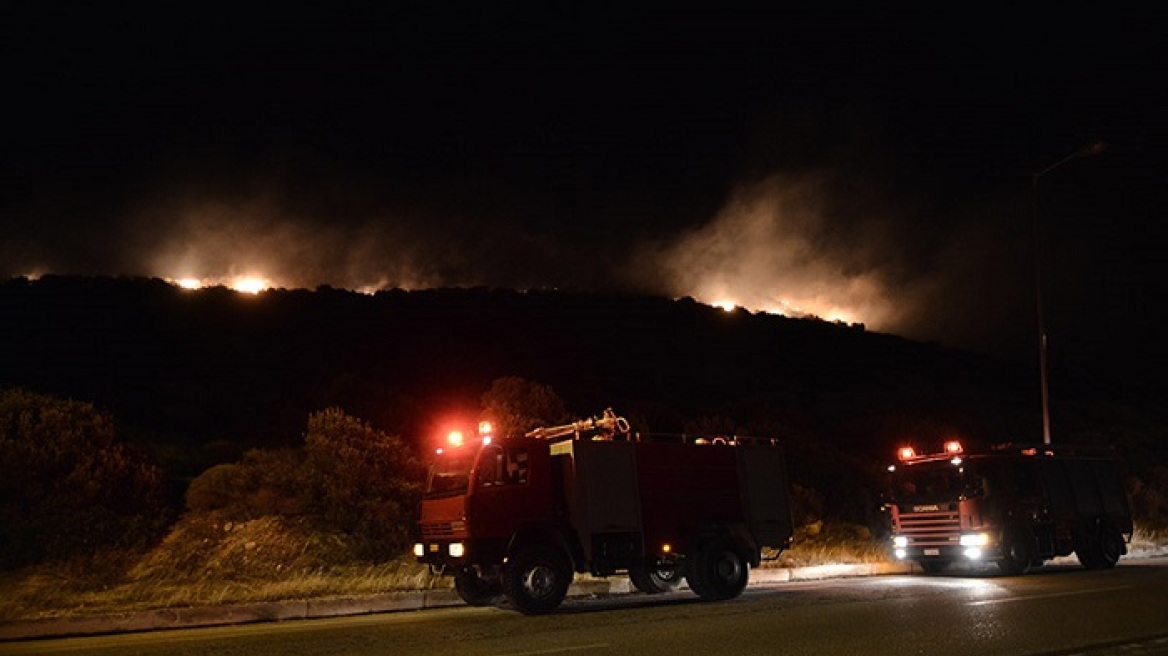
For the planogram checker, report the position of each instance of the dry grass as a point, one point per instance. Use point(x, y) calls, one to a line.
point(205, 563)
point(832, 544)
point(39, 594)
point(1149, 542)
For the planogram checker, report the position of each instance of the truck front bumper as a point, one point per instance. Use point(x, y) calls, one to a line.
point(964, 547)
point(441, 554)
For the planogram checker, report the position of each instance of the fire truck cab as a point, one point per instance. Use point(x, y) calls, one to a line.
point(518, 516)
point(1015, 505)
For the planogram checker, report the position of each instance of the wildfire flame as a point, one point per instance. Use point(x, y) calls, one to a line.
point(249, 284)
point(242, 284)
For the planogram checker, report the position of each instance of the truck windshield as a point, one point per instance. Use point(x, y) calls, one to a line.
point(931, 483)
point(450, 473)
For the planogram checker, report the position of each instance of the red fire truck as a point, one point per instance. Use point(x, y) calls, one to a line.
point(517, 516)
point(1014, 505)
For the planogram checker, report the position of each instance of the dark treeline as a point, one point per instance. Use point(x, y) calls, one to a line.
point(210, 373)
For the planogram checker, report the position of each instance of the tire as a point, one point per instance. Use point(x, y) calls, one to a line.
point(934, 566)
point(1111, 546)
point(476, 590)
point(718, 571)
point(1018, 552)
point(651, 580)
point(1099, 547)
point(536, 579)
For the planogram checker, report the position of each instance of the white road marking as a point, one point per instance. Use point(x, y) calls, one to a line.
point(1006, 600)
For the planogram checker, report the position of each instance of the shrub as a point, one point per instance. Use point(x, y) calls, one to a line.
point(204, 547)
point(348, 478)
point(516, 405)
point(266, 482)
point(67, 487)
point(367, 482)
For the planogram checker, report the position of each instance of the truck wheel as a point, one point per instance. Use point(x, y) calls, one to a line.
point(718, 571)
point(536, 580)
point(654, 580)
point(476, 590)
point(1099, 547)
point(1018, 552)
point(1111, 546)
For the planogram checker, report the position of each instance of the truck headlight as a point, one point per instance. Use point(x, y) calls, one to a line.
point(457, 550)
point(975, 540)
point(419, 549)
point(900, 541)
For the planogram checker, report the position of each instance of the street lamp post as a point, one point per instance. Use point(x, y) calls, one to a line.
point(1092, 149)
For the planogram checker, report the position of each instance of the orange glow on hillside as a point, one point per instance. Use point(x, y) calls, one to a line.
point(249, 284)
point(241, 284)
point(820, 309)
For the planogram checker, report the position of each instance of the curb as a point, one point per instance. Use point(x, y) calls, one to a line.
point(207, 616)
point(185, 618)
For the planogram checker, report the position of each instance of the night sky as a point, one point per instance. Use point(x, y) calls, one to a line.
point(865, 162)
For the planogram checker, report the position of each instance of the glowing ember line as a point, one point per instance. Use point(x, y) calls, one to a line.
point(241, 284)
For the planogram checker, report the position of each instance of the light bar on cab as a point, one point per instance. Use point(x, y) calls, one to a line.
point(953, 449)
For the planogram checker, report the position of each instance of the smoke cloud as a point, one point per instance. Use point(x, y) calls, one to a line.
point(775, 247)
point(791, 245)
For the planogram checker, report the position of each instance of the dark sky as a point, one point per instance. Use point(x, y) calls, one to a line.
point(867, 162)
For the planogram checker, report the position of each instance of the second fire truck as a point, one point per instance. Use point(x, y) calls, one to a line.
point(1015, 505)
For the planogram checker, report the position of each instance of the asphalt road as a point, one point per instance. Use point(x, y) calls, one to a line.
point(1060, 610)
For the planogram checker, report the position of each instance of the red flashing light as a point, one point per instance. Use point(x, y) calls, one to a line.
point(906, 453)
point(953, 447)
point(455, 438)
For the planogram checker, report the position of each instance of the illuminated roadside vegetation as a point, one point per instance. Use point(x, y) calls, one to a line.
point(331, 517)
point(87, 531)
point(218, 564)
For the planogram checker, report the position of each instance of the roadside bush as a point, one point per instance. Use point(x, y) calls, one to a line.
point(1149, 498)
point(266, 482)
point(207, 548)
point(517, 405)
point(68, 488)
point(367, 482)
point(349, 478)
point(828, 543)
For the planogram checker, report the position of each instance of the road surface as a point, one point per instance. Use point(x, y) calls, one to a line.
point(1060, 610)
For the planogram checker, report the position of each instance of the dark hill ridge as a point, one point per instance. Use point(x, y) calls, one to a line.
point(213, 364)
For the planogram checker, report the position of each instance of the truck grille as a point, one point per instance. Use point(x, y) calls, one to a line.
point(442, 530)
point(931, 529)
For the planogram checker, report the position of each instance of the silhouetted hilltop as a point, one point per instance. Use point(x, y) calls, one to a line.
point(214, 364)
